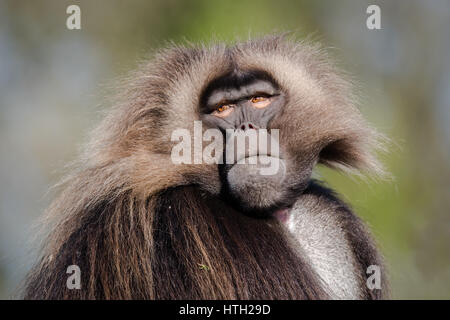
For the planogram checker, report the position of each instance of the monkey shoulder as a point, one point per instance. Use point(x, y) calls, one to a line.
point(335, 240)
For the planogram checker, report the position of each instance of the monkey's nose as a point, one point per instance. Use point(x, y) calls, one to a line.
point(247, 126)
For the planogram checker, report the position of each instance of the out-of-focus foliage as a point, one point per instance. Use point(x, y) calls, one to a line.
point(52, 81)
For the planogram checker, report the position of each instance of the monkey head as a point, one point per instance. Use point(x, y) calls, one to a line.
point(269, 83)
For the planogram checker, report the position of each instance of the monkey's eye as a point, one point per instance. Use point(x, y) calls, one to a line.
point(223, 110)
point(260, 101)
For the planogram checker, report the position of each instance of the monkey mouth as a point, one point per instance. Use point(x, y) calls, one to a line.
point(260, 165)
point(260, 159)
point(256, 182)
point(245, 156)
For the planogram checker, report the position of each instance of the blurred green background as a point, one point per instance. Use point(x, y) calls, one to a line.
point(53, 83)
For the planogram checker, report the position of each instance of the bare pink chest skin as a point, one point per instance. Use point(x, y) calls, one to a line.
point(282, 215)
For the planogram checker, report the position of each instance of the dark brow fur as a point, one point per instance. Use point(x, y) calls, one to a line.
point(234, 80)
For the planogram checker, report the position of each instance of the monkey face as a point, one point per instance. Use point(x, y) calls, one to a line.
point(259, 177)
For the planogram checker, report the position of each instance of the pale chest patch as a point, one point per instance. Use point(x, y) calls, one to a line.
point(322, 238)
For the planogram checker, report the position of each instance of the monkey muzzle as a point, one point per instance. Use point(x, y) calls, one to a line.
point(257, 185)
point(256, 176)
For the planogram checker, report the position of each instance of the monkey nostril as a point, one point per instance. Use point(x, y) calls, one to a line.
point(247, 126)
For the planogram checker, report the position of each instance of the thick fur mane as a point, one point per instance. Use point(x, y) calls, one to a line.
point(180, 244)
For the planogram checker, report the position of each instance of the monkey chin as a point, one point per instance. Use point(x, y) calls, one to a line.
point(257, 188)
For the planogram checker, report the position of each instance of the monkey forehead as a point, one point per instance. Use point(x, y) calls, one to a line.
point(228, 93)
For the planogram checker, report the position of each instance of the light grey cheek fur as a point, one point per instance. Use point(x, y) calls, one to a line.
point(317, 231)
